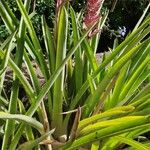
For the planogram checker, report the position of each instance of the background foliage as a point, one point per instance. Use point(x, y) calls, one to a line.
point(125, 14)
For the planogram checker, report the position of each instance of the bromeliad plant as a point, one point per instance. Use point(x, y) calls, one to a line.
point(83, 103)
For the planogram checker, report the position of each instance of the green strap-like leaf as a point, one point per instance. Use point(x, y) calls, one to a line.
point(110, 113)
point(126, 126)
point(142, 17)
point(103, 124)
point(61, 50)
point(31, 144)
point(5, 61)
point(133, 143)
point(32, 122)
point(78, 56)
point(38, 49)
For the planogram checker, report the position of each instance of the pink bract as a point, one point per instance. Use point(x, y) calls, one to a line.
point(58, 4)
point(92, 14)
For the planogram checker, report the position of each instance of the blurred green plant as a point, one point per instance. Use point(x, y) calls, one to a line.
point(83, 103)
point(3, 33)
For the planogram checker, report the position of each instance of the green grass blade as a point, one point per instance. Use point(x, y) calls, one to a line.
point(140, 81)
point(78, 57)
point(28, 132)
point(95, 146)
point(142, 34)
point(108, 132)
point(33, 76)
point(9, 13)
point(6, 15)
point(132, 80)
point(107, 114)
point(118, 86)
point(108, 123)
point(23, 118)
point(140, 95)
point(140, 101)
point(89, 53)
point(21, 77)
point(144, 105)
point(137, 60)
point(142, 17)
point(6, 19)
point(58, 85)
point(3, 101)
point(49, 44)
point(133, 143)
point(5, 44)
point(5, 61)
point(51, 53)
point(35, 40)
point(32, 144)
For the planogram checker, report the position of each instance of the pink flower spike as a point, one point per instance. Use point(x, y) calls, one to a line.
point(92, 14)
point(58, 4)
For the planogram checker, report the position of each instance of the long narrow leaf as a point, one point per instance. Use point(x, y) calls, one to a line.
point(108, 132)
point(32, 144)
point(132, 143)
point(23, 118)
point(58, 85)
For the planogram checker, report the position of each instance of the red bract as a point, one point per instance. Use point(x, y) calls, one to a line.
point(92, 14)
